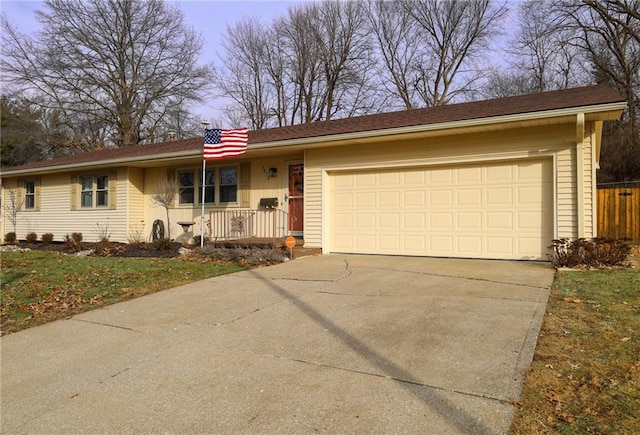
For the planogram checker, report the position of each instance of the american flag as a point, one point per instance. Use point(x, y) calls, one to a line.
point(220, 144)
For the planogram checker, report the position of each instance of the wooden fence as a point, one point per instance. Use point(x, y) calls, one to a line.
point(619, 211)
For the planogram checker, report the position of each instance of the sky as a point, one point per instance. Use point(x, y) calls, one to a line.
point(210, 18)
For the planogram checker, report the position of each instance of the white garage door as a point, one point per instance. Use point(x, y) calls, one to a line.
point(491, 210)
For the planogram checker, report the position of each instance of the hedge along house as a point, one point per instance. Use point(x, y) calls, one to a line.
point(489, 179)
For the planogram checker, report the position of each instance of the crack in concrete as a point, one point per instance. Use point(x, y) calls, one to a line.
point(365, 373)
point(471, 278)
point(105, 324)
point(347, 275)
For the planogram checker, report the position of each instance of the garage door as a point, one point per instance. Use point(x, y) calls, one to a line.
point(491, 210)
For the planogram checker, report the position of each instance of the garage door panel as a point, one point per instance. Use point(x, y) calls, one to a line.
point(489, 210)
point(442, 221)
point(469, 197)
point(499, 196)
point(500, 245)
point(440, 198)
point(414, 221)
point(469, 174)
point(440, 176)
point(500, 220)
point(389, 243)
point(390, 179)
point(414, 199)
point(529, 195)
point(365, 242)
point(366, 220)
point(469, 245)
point(365, 199)
point(415, 178)
point(499, 173)
point(365, 180)
point(390, 199)
point(389, 221)
point(469, 220)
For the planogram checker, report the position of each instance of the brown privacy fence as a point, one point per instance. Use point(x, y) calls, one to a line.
point(619, 211)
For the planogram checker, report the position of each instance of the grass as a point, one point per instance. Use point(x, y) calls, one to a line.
point(41, 286)
point(585, 375)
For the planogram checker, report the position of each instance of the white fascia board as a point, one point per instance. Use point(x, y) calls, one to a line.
point(111, 162)
point(442, 126)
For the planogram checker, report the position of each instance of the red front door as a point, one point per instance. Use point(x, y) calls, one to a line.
point(296, 198)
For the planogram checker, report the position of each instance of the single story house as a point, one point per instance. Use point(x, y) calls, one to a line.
point(494, 179)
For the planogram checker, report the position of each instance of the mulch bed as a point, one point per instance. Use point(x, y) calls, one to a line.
point(143, 250)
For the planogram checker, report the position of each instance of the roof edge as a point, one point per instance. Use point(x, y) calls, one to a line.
point(501, 119)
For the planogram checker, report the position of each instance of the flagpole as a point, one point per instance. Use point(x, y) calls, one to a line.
point(204, 166)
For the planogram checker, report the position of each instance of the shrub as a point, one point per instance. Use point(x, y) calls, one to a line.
point(73, 242)
point(47, 238)
point(31, 237)
point(245, 256)
point(596, 252)
point(105, 248)
point(136, 236)
point(196, 240)
point(162, 244)
point(10, 237)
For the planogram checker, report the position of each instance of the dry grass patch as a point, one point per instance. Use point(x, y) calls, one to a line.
point(41, 286)
point(585, 376)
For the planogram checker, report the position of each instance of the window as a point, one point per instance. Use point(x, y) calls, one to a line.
point(94, 191)
point(209, 187)
point(220, 186)
point(228, 184)
point(30, 195)
point(187, 187)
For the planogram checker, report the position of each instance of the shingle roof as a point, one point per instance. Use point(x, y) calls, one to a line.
point(568, 98)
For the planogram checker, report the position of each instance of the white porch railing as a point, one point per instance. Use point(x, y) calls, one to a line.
point(245, 224)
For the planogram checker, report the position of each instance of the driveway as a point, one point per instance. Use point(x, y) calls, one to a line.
point(334, 343)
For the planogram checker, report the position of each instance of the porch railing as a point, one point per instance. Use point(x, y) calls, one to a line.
point(249, 223)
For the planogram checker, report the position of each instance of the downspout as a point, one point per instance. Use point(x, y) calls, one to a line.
point(580, 172)
point(596, 138)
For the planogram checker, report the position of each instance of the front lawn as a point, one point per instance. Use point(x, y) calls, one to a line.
point(41, 286)
point(585, 375)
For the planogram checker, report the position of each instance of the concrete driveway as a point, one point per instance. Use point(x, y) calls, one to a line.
point(335, 343)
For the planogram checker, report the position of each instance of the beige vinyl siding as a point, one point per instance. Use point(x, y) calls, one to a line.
point(313, 210)
point(135, 202)
point(589, 182)
point(56, 217)
point(567, 193)
point(558, 140)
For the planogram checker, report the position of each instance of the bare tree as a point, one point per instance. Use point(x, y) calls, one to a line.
point(395, 35)
point(243, 79)
point(164, 195)
point(345, 55)
point(609, 36)
point(453, 35)
point(111, 62)
point(313, 64)
point(544, 48)
point(502, 84)
point(12, 206)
